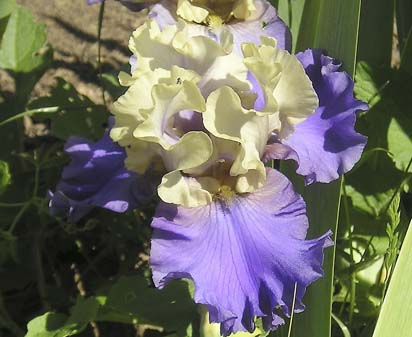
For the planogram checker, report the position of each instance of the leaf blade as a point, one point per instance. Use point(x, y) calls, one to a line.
point(397, 305)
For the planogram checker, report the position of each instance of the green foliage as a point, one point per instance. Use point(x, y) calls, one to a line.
point(375, 32)
point(291, 12)
point(77, 114)
point(397, 306)
point(23, 47)
point(333, 26)
point(403, 21)
point(5, 176)
point(6, 8)
point(129, 300)
point(67, 270)
point(388, 125)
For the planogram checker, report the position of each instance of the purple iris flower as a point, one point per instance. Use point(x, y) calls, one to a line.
point(246, 252)
point(246, 255)
point(96, 176)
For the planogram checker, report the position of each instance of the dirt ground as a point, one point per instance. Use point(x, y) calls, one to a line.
point(72, 31)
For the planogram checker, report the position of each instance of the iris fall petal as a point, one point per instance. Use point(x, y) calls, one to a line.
point(244, 255)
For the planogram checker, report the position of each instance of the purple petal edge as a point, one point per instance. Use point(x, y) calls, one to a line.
point(326, 144)
point(96, 176)
point(244, 256)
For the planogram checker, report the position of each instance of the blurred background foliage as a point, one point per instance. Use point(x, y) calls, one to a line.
point(92, 278)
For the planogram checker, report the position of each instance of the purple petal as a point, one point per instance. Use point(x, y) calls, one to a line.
point(96, 177)
point(326, 145)
point(244, 256)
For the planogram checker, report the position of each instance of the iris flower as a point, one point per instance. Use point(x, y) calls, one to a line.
point(210, 118)
point(206, 113)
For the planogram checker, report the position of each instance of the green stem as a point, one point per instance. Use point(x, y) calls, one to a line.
point(353, 277)
point(404, 180)
point(28, 203)
point(36, 181)
point(10, 205)
point(41, 282)
point(46, 110)
point(99, 48)
point(18, 216)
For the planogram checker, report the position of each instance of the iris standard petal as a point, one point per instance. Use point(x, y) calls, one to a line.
point(326, 144)
point(244, 255)
point(263, 21)
point(96, 177)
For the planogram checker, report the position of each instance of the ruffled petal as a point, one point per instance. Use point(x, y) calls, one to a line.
point(244, 256)
point(263, 21)
point(96, 177)
point(326, 144)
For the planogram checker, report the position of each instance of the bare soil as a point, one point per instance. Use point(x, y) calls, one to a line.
point(72, 31)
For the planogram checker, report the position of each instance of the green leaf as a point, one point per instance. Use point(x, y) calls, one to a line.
point(331, 25)
point(59, 325)
point(171, 308)
point(24, 47)
point(49, 325)
point(376, 32)
point(291, 12)
point(388, 123)
point(403, 21)
point(78, 116)
point(5, 176)
point(129, 300)
point(6, 7)
point(371, 186)
point(397, 305)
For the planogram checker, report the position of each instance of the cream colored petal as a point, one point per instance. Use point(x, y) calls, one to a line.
point(294, 93)
point(153, 47)
point(225, 118)
point(227, 70)
point(185, 191)
point(251, 181)
point(129, 109)
point(200, 52)
point(190, 12)
point(140, 156)
point(191, 151)
point(243, 9)
point(260, 62)
point(168, 101)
